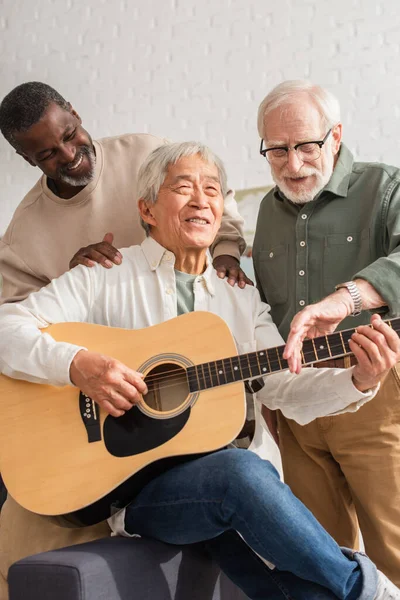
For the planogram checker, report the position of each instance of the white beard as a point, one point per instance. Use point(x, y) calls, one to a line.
point(302, 196)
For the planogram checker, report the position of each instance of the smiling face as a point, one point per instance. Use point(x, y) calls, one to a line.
point(289, 125)
point(188, 212)
point(61, 148)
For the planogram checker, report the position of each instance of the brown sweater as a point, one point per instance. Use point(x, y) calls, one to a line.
point(46, 231)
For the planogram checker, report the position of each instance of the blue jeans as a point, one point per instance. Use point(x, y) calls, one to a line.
point(210, 498)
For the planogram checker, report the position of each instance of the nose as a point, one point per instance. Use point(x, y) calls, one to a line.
point(294, 163)
point(68, 153)
point(199, 198)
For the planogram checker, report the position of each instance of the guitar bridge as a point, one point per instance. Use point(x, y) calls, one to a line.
point(90, 417)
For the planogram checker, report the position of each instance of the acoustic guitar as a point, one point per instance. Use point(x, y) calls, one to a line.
point(61, 454)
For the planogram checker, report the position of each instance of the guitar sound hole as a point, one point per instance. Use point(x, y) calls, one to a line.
point(168, 387)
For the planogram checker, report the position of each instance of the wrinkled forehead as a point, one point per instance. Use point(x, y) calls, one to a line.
point(191, 168)
point(295, 121)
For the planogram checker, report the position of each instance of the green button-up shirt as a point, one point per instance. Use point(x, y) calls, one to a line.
point(350, 230)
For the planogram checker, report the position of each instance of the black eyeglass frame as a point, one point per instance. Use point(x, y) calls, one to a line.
point(320, 143)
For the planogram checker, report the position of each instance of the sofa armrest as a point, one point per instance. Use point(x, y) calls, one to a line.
point(120, 569)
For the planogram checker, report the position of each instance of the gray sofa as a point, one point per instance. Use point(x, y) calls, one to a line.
point(121, 569)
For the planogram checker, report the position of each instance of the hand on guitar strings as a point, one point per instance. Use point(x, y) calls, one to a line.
point(377, 350)
point(229, 266)
point(114, 386)
point(103, 253)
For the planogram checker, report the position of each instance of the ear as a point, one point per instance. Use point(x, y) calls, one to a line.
point(145, 211)
point(73, 112)
point(28, 160)
point(336, 138)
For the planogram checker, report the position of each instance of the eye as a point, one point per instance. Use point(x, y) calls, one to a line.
point(277, 152)
point(43, 158)
point(71, 135)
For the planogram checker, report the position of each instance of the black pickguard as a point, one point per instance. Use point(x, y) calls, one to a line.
point(133, 433)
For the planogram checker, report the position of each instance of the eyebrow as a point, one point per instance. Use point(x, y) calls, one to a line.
point(285, 144)
point(69, 126)
point(191, 178)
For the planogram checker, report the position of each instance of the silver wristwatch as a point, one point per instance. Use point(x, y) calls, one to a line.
point(355, 295)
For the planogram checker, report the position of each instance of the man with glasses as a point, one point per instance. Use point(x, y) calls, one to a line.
point(328, 236)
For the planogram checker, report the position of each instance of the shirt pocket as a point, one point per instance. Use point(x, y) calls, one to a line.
point(272, 266)
point(344, 255)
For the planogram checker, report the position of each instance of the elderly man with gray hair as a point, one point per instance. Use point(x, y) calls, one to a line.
point(332, 224)
point(213, 498)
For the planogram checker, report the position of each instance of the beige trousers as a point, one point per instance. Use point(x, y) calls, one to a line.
point(346, 470)
point(23, 533)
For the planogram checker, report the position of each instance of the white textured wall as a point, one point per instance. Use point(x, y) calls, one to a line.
point(197, 69)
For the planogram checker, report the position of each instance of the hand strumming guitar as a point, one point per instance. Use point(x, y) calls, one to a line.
point(103, 253)
point(107, 381)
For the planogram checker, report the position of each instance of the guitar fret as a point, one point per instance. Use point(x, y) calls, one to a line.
point(214, 375)
point(309, 352)
point(314, 348)
point(244, 366)
point(341, 339)
point(236, 371)
point(228, 370)
point(221, 372)
point(321, 348)
point(252, 359)
point(200, 374)
point(265, 366)
point(193, 380)
point(274, 366)
point(346, 336)
point(207, 376)
point(328, 346)
point(303, 357)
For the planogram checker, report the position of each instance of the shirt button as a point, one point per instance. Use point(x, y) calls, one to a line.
point(350, 238)
point(302, 244)
point(301, 273)
point(271, 254)
point(301, 302)
point(169, 291)
point(304, 216)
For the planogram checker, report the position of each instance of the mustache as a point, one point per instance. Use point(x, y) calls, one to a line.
point(84, 150)
point(304, 172)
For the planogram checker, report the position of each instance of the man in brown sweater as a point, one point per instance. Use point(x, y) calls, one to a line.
point(87, 193)
point(88, 188)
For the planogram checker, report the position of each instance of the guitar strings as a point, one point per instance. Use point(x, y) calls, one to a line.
point(175, 380)
point(309, 356)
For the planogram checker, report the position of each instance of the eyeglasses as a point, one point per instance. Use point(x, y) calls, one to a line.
point(306, 151)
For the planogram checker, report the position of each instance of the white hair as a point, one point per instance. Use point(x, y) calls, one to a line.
point(286, 92)
point(153, 171)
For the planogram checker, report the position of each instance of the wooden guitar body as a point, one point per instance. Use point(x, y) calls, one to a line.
point(61, 455)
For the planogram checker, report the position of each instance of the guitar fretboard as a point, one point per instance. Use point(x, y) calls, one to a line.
point(263, 362)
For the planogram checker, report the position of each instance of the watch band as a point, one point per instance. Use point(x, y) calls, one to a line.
point(355, 295)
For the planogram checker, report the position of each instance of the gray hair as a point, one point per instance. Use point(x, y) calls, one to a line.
point(153, 171)
point(286, 92)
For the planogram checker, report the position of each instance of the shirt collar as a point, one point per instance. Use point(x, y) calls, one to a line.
point(340, 179)
point(154, 254)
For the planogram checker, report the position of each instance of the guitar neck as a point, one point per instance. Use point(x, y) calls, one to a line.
point(264, 362)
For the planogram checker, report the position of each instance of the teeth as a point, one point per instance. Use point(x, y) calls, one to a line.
point(77, 164)
point(200, 221)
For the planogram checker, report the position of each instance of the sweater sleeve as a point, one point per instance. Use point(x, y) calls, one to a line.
point(18, 279)
point(230, 238)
